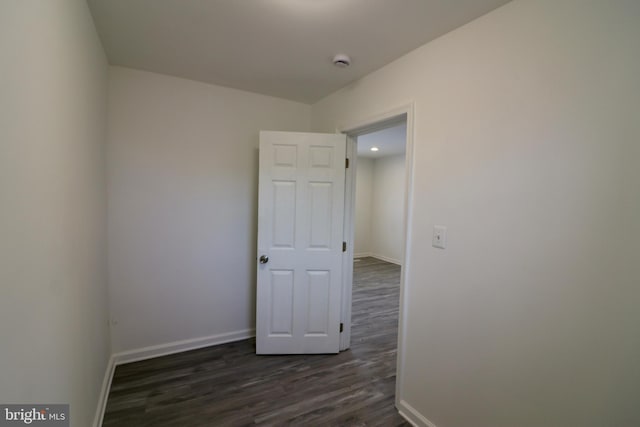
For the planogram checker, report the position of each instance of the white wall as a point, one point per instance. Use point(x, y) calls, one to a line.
point(363, 206)
point(526, 147)
point(379, 211)
point(182, 179)
point(53, 301)
point(387, 207)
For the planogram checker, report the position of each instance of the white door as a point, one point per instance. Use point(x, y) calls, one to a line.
point(300, 229)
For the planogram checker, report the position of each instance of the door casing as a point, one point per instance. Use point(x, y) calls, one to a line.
point(403, 113)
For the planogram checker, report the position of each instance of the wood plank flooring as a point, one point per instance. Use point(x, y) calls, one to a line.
point(228, 385)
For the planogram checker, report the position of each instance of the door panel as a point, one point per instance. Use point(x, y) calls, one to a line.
point(320, 198)
point(284, 209)
point(300, 228)
point(281, 303)
point(319, 289)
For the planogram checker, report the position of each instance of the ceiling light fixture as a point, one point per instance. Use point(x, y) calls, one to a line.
point(341, 60)
point(374, 148)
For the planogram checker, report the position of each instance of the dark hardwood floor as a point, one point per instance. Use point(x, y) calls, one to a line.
point(228, 385)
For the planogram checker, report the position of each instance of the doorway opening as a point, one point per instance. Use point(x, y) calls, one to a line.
point(377, 202)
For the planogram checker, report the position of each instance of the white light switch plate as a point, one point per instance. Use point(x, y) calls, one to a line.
point(439, 237)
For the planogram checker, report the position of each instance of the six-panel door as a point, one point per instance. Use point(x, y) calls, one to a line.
point(300, 229)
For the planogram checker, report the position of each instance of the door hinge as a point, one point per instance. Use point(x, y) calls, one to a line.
point(346, 163)
point(344, 246)
point(341, 327)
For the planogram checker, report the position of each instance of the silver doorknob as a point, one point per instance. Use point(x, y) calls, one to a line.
point(264, 259)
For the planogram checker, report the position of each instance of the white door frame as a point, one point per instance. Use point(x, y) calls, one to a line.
point(353, 129)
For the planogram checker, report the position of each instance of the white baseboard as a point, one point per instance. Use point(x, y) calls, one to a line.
point(380, 257)
point(104, 392)
point(362, 255)
point(157, 351)
point(414, 417)
point(386, 258)
point(180, 346)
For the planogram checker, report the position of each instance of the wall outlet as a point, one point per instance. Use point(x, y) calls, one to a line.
point(439, 239)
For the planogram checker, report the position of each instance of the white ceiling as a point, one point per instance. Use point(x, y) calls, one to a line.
point(390, 142)
point(282, 48)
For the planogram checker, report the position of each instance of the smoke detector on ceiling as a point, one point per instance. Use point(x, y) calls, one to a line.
point(341, 60)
